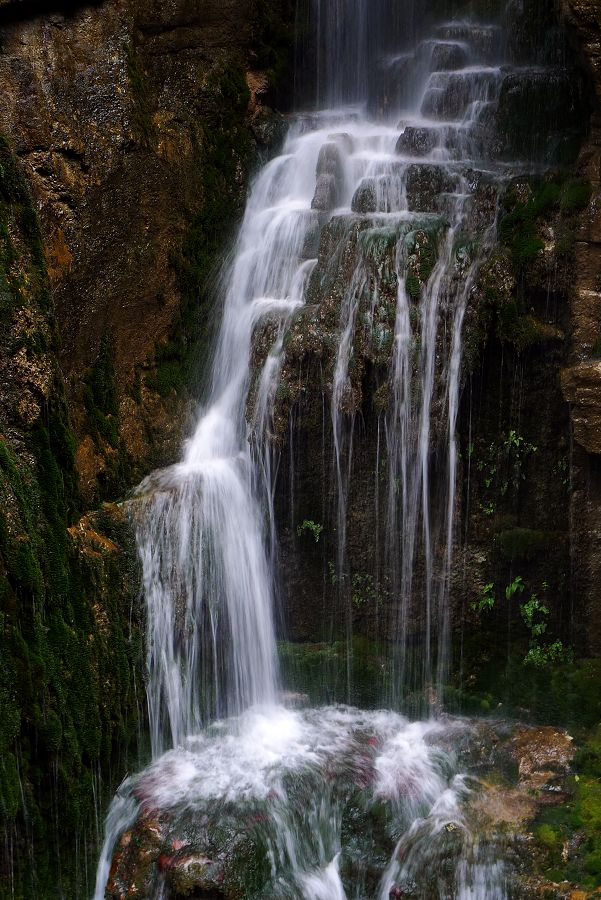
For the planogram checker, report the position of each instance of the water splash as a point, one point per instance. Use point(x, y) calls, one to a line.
point(323, 793)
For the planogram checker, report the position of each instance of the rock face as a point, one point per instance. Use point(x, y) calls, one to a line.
point(580, 380)
point(582, 386)
point(129, 130)
point(69, 643)
point(135, 124)
point(127, 118)
point(527, 494)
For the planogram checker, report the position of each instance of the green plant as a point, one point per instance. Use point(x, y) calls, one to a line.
point(536, 618)
point(486, 601)
point(311, 527)
point(502, 467)
point(334, 577)
point(516, 587)
point(516, 450)
point(535, 615)
point(542, 655)
point(366, 591)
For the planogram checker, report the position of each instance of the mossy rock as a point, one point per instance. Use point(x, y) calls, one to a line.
point(526, 544)
point(68, 650)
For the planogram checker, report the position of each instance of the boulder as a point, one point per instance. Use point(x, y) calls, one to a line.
point(448, 57)
point(417, 141)
point(327, 193)
point(424, 185)
point(366, 197)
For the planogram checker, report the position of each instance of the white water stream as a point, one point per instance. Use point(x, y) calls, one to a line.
point(206, 527)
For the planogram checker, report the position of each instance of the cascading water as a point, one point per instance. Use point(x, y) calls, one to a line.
point(405, 213)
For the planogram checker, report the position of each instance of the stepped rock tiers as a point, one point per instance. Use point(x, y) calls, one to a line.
point(365, 257)
point(300, 494)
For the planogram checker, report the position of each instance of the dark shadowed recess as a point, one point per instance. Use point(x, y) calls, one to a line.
point(13, 11)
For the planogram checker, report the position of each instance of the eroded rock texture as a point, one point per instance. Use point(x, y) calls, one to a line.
point(129, 133)
point(580, 381)
point(136, 125)
point(132, 124)
point(528, 467)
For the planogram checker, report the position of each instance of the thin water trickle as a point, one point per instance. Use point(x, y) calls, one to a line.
point(407, 203)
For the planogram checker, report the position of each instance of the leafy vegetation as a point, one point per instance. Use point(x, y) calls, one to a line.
point(310, 527)
point(487, 599)
point(535, 615)
point(502, 468)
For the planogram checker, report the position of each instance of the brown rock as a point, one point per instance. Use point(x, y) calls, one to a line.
point(541, 755)
point(109, 109)
point(581, 385)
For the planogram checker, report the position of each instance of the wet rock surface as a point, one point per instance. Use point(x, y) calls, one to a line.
point(581, 385)
point(513, 772)
point(417, 141)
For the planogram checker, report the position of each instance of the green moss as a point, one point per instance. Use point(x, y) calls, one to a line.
point(551, 840)
point(522, 543)
point(532, 209)
point(101, 380)
point(588, 806)
point(224, 149)
point(168, 377)
point(588, 758)
point(324, 671)
point(141, 96)
point(13, 187)
point(67, 705)
point(523, 331)
point(102, 413)
point(413, 286)
point(520, 227)
point(575, 196)
point(567, 693)
point(587, 818)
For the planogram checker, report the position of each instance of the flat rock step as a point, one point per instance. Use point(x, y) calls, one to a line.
point(449, 94)
point(442, 55)
point(476, 140)
point(484, 41)
point(343, 223)
point(415, 187)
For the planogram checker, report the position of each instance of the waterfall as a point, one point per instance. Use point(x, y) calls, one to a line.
point(398, 201)
point(201, 534)
point(373, 219)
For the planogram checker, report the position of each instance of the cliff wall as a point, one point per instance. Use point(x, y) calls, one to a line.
point(129, 131)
